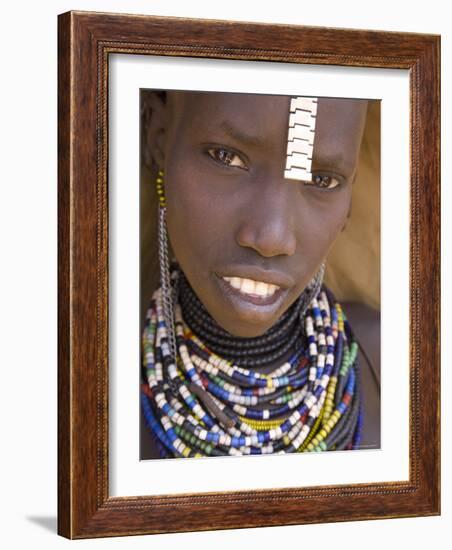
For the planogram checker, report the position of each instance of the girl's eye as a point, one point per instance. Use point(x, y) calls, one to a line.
point(225, 156)
point(324, 181)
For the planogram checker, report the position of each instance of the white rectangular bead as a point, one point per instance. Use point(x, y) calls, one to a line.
point(298, 160)
point(234, 452)
point(298, 174)
point(305, 103)
point(310, 401)
point(298, 145)
point(304, 133)
point(301, 117)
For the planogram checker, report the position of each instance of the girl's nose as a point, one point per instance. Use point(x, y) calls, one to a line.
point(269, 226)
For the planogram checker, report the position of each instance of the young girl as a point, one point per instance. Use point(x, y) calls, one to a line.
point(245, 351)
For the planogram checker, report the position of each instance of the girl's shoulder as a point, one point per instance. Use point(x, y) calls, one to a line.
point(365, 323)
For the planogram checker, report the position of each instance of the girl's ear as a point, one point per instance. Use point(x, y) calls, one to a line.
point(155, 116)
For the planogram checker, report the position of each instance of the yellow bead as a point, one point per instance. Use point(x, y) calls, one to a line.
point(186, 452)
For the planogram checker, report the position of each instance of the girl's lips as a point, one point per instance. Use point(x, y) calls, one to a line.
point(262, 304)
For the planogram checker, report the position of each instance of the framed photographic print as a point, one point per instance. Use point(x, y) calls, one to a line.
point(248, 263)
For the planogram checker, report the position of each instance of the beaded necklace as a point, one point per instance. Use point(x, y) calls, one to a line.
point(207, 405)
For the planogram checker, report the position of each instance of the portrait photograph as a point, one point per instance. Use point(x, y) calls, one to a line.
point(260, 274)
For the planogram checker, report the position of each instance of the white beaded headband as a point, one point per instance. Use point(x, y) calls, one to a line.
point(300, 141)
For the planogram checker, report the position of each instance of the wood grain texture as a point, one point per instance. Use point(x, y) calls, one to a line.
point(84, 506)
point(64, 294)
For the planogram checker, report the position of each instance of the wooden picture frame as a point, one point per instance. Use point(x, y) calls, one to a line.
point(85, 41)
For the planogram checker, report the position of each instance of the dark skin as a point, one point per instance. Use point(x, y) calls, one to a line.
point(231, 211)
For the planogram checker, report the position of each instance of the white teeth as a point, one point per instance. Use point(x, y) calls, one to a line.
point(248, 286)
point(235, 282)
point(263, 289)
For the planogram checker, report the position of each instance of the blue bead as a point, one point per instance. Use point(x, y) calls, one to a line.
point(208, 421)
point(171, 434)
point(286, 425)
point(351, 382)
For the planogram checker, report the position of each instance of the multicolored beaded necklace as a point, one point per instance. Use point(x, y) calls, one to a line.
point(205, 404)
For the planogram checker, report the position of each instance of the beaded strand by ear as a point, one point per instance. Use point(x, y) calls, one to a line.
point(168, 292)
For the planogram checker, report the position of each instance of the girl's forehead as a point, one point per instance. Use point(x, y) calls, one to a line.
point(204, 105)
point(300, 129)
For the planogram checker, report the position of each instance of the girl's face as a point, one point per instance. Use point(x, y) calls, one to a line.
point(231, 212)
